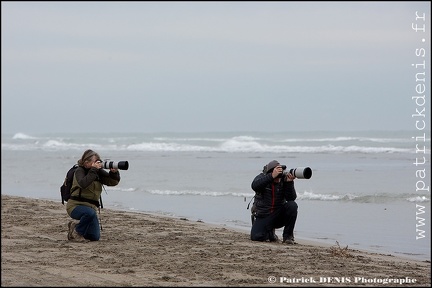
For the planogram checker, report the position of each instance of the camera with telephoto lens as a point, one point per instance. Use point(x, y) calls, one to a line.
point(122, 165)
point(299, 172)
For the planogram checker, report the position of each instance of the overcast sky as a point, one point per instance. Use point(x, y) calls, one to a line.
point(210, 66)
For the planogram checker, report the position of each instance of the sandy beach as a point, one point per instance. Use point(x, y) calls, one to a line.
point(139, 249)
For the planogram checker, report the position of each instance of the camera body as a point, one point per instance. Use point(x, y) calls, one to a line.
point(122, 165)
point(299, 172)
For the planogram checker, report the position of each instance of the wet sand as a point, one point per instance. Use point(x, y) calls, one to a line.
point(141, 249)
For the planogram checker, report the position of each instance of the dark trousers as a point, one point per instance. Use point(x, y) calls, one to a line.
point(286, 216)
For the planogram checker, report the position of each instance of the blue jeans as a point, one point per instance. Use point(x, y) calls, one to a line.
point(88, 226)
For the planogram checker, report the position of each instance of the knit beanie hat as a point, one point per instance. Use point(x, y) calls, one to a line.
point(270, 166)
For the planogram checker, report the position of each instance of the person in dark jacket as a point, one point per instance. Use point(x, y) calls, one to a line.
point(85, 194)
point(274, 206)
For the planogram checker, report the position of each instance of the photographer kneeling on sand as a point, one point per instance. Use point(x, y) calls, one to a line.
point(87, 184)
point(274, 206)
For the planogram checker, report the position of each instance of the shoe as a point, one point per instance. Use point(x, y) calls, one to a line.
point(71, 229)
point(73, 235)
point(78, 238)
point(273, 237)
point(289, 241)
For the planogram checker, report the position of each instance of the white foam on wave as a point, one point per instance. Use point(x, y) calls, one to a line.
point(170, 147)
point(418, 199)
point(199, 193)
point(236, 144)
point(306, 196)
point(61, 145)
point(346, 139)
point(23, 136)
point(323, 197)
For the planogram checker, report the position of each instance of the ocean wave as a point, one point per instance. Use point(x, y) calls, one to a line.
point(418, 199)
point(235, 144)
point(207, 139)
point(302, 196)
point(199, 193)
point(323, 197)
point(23, 136)
point(350, 139)
point(373, 198)
point(228, 147)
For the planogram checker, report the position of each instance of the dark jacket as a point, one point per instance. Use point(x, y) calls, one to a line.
point(90, 181)
point(271, 196)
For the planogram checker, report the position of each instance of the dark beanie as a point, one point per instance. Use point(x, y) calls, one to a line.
point(271, 165)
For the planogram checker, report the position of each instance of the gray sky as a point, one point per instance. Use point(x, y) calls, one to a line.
point(209, 66)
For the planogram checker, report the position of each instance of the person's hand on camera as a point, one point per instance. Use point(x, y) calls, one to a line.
point(289, 177)
point(97, 164)
point(277, 171)
point(114, 170)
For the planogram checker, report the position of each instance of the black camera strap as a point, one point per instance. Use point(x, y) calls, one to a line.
point(250, 202)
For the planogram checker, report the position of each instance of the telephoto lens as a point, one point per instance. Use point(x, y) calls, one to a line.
point(122, 165)
point(301, 172)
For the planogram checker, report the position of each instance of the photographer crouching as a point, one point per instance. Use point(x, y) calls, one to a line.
point(274, 206)
point(86, 191)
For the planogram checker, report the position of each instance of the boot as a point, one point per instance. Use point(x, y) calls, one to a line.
point(73, 235)
point(273, 237)
point(71, 228)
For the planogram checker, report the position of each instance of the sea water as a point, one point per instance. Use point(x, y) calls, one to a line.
point(364, 192)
